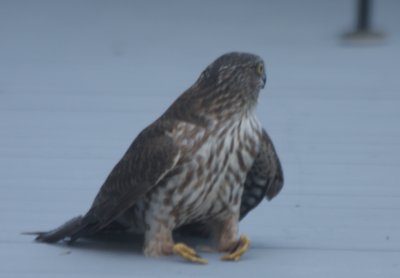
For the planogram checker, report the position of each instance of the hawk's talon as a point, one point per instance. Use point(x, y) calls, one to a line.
point(188, 253)
point(242, 246)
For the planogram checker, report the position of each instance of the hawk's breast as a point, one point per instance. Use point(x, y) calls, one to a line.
point(213, 169)
point(208, 179)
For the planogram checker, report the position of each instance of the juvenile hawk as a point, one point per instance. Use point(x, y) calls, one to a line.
point(206, 162)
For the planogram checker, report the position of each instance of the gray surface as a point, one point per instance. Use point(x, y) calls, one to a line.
point(79, 79)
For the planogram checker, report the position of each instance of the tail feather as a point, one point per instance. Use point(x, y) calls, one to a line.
point(67, 230)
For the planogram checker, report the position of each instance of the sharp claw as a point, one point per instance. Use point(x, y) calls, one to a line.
point(188, 253)
point(241, 248)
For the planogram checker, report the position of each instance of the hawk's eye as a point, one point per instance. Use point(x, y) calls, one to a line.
point(260, 69)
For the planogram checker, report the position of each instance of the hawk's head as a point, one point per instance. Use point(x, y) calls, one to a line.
point(234, 75)
point(229, 85)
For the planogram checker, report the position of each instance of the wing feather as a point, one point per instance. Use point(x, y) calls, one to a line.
point(265, 178)
point(149, 158)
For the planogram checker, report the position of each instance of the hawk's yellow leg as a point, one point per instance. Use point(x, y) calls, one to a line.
point(188, 253)
point(242, 246)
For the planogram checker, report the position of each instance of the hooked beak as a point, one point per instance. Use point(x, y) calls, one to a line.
point(264, 80)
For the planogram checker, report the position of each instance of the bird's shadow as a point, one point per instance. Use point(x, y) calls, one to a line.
point(125, 243)
point(110, 242)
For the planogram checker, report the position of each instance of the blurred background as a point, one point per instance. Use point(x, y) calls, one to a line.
point(80, 79)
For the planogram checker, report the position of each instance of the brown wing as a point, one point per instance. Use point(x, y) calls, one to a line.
point(150, 157)
point(265, 178)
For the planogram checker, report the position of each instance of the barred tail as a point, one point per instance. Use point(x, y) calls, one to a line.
point(67, 230)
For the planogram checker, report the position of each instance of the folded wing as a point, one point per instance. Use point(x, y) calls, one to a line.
point(265, 178)
point(151, 156)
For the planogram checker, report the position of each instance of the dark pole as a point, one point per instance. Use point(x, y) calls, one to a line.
point(364, 14)
point(363, 24)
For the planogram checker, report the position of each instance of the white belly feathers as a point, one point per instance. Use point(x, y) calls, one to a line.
point(209, 183)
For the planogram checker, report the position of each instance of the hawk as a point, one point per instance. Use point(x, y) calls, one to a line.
point(203, 164)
